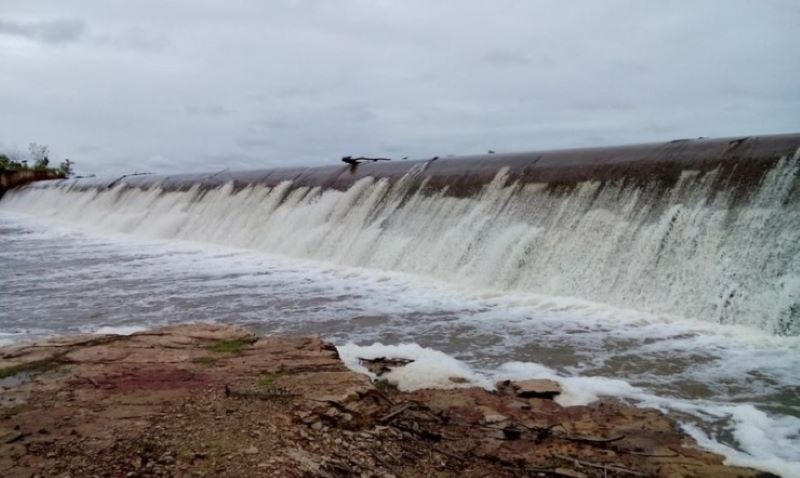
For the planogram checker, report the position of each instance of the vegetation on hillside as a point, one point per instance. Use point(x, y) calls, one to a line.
point(39, 161)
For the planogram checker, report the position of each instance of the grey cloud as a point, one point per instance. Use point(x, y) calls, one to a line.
point(135, 38)
point(61, 31)
point(188, 86)
point(500, 57)
point(394, 148)
point(208, 110)
point(601, 104)
point(354, 112)
point(74, 30)
point(254, 142)
point(87, 148)
point(272, 123)
point(219, 163)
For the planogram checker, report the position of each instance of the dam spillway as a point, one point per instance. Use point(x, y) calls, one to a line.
point(706, 229)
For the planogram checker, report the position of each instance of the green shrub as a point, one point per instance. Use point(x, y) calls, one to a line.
point(229, 346)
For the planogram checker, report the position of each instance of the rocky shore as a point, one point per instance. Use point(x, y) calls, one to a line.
point(208, 400)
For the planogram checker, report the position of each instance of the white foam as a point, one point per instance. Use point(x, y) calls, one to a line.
point(119, 330)
point(766, 442)
point(430, 369)
point(433, 369)
point(771, 444)
point(7, 339)
point(577, 390)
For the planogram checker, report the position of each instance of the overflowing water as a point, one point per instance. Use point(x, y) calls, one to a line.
point(686, 298)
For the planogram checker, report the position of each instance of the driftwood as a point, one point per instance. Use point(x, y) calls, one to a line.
point(590, 440)
point(395, 412)
point(354, 161)
point(382, 365)
point(603, 466)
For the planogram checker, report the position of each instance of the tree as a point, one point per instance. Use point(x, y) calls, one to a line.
point(9, 163)
point(65, 168)
point(40, 156)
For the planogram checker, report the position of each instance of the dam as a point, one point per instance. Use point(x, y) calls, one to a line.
point(667, 273)
point(708, 229)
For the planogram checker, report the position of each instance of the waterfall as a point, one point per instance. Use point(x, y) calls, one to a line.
point(687, 249)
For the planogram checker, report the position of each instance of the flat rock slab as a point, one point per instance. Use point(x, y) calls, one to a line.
point(213, 400)
point(534, 388)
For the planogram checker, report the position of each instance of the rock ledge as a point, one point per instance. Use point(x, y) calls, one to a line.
point(210, 400)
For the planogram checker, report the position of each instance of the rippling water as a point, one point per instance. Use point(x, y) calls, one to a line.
point(734, 388)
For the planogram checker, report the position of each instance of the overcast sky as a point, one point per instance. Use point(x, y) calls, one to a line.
point(171, 86)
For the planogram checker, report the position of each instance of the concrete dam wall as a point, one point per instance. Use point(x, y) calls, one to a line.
point(738, 162)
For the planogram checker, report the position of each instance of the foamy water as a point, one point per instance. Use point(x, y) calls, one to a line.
point(685, 299)
point(733, 388)
point(690, 251)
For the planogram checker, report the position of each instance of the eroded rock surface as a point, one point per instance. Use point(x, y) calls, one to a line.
point(206, 400)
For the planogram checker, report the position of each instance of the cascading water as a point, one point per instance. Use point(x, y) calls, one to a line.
point(686, 250)
point(666, 274)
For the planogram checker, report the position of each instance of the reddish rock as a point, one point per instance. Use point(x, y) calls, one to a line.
point(170, 402)
point(536, 388)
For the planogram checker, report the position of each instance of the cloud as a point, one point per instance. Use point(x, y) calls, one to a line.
point(135, 38)
point(209, 85)
point(87, 148)
point(254, 142)
point(74, 30)
point(54, 32)
point(606, 104)
point(272, 123)
point(501, 57)
point(208, 110)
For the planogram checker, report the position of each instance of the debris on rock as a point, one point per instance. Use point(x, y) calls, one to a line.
point(383, 365)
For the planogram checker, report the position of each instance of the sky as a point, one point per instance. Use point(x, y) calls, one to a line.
point(124, 86)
